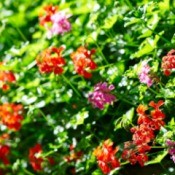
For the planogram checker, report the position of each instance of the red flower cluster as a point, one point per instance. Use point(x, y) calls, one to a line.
point(4, 151)
point(49, 10)
point(168, 62)
point(36, 158)
point(105, 155)
point(143, 134)
point(6, 77)
point(11, 115)
point(50, 60)
point(74, 155)
point(83, 62)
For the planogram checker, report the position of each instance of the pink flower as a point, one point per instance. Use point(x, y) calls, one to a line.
point(144, 76)
point(171, 149)
point(56, 22)
point(102, 95)
point(60, 24)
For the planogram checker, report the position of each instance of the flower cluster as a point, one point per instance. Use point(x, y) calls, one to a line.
point(168, 62)
point(82, 59)
point(51, 60)
point(56, 22)
point(102, 95)
point(144, 76)
point(11, 115)
point(105, 155)
point(4, 151)
point(36, 159)
point(6, 77)
point(171, 149)
point(74, 155)
point(144, 133)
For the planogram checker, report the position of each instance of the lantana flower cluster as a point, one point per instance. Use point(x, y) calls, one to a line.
point(56, 22)
point(6, 77)
point(51, 60)
point(11, 115)
point(168, 62)
point(83, 63)
point(106, 158)
point(171, 148)
point(36, 159)
point(144, 74)
point(143, 134)
point(102, 95)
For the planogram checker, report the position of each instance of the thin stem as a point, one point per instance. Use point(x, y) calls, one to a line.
point(21, 34)
point(71, 85)
point(153, 91)
point(101, 53)
point(122, 98)
point(42, 113)
point(158, 147)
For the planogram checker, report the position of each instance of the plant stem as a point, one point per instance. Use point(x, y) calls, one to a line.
point(158, 147)
point(42, 113)
point(71, 85)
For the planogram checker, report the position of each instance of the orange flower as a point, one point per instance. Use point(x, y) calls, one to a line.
point(10, 115)
point(105, 155)
point(6, 77)
point(49, 10)
point(83, 62)
point(50, 60)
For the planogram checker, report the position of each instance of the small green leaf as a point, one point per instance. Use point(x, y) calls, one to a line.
point(158, 158)
point(109, 22)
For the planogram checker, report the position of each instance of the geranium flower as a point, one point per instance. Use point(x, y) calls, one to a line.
point(168, 62)
point(51, 60)
point(56, 22)
point(105, 155)
point(102, 95)
point(6, 77)
point(83, 63)
point(11, 115)
point(144, 76)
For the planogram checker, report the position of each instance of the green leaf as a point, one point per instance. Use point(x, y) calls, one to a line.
point(147, 46)
point(152, 24)
point(79, 118)
point(109, 22)
point(125, 120)
point(158, 158)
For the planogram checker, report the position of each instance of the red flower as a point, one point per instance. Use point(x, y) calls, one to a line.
point(83, 62)
point(105, 155)
point(50, 60)
point(6, 77)
point(168, 62)
point(135, 153)
point(35, 158)
point(49, 10)
point(10, 115)
point(74, 155)
point(4, 151)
